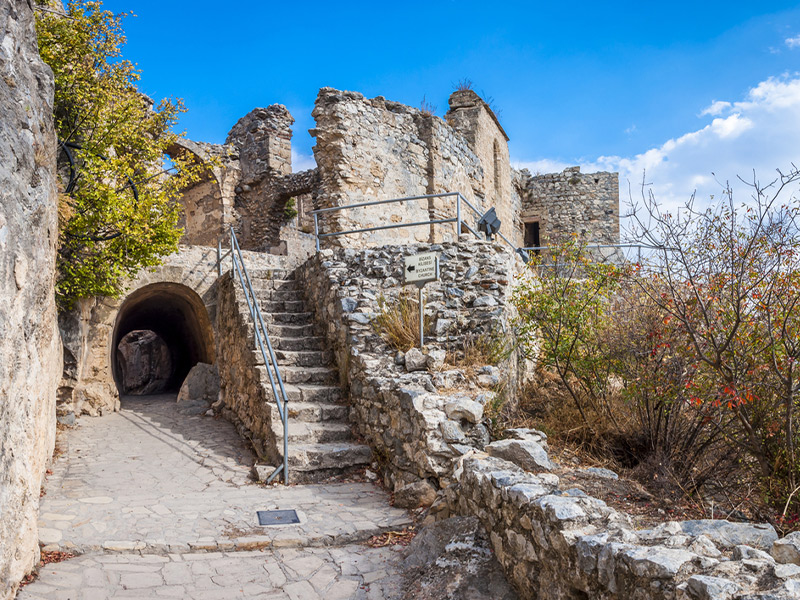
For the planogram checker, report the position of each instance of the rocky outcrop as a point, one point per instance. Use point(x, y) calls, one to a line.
point(30, 359)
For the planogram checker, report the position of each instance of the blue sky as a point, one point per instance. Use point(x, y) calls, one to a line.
point(682, 89)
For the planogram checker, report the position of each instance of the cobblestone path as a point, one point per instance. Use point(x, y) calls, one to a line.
point(160, 504)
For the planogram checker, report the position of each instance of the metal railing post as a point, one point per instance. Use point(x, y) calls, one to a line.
point(421, 320)
point(219, 257)
point(316, 231)
point(458, 215)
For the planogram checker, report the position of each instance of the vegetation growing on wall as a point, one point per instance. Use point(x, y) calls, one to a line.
point(690, 359)
point(119, 211)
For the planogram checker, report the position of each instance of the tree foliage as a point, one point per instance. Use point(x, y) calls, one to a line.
point(695, 350)
point(120, 214)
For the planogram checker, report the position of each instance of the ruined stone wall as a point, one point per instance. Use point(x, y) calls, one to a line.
point(374, 149)
point(571, 202)
point(403, 404)
point(263, 138)
point(30, 357)
point(261, 220)
point(208, 205)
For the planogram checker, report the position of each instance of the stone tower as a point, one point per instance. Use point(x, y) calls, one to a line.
point(472, 117)
point(264, 140)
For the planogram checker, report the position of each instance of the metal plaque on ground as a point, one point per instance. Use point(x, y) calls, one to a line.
point(421, 268)
point(277, 517)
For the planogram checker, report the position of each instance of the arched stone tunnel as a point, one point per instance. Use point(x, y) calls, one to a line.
point(161, 331)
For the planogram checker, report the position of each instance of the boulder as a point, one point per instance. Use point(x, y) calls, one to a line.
point(787, 550)
point(526, 454)
point(200, 389)
point(703, 587)
point(414, 495)
point(415, 360)
point(145, 361)
point(729, 535)
point(464, 408)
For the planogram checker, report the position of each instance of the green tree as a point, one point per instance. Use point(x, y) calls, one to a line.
point(119, 213)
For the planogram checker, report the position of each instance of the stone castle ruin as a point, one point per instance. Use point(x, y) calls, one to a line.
point(353, 400)
point(375, 149)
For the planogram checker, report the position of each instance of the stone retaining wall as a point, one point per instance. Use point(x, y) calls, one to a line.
point(560, 543)
point(247, 403)
point(404, 404)
point(427, 423)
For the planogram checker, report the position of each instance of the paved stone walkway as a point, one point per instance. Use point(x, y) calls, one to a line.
point(148, 496)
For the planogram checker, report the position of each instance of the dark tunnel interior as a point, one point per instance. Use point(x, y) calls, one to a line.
point(174, 316)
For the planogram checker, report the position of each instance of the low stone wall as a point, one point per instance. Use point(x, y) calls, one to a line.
point(246, 402)
point(561, 543)
point(417, 413)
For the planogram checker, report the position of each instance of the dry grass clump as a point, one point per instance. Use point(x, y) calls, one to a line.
point(478, 351)
point(398, 322)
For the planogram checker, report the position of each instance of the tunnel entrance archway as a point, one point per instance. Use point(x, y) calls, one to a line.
point(176, 315)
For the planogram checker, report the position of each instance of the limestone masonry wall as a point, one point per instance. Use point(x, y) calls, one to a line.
point(571, 202)
point(401, 402)
point(29, 344)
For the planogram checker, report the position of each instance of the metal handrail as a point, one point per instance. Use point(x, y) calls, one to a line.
point(458, 220)
point(525, 251)
point(264, 344)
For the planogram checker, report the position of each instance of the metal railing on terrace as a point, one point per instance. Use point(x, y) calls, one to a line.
point(239, 272)
point(457, 219)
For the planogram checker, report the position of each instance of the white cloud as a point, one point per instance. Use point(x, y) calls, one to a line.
point(793, 42)
point(758, 133)
point(301, 162)
point(717, 108)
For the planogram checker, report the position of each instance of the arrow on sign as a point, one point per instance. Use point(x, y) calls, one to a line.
point(411, 268)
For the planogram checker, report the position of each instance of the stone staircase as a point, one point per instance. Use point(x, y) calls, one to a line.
point(320, 439)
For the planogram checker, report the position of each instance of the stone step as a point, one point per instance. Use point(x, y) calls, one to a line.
point(312, 457)
point(283, 318)
point(257, 274)
point(314, 342)
point(312, 412)
point(304, 358)
point(289, 318)
point(313, 393)
point(287, 294)
point(281, 306)
point(286, 330)
point(302, 432)
point(319, 375)
point(260, 285)
point(298, 358)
